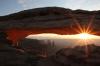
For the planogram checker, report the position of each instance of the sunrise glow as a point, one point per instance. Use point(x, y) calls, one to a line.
point(85, 36)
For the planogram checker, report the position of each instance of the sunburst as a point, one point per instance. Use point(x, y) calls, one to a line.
point(84, 30)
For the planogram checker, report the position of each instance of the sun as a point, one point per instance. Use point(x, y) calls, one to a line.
point(85, 36)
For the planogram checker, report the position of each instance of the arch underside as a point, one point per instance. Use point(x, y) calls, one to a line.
point(18, 34)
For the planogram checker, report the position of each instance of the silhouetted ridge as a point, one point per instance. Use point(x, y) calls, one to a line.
point(42, 12)
point(36, 12)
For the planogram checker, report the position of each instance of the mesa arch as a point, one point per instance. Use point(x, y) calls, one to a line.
point(18, 34)
point(48, 20)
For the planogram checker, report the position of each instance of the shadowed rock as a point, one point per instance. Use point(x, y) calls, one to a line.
point(75, 57)
point(50, 20)
point(52, 17)
point(10, 56)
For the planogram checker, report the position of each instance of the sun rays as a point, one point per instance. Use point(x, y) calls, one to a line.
point(85, 36)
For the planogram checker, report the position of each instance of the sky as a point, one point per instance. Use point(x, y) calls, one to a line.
point(12, 6)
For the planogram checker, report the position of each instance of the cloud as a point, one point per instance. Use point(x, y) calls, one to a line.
point(24, 3)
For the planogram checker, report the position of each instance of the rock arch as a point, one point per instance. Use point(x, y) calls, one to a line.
point(18, 34)
point(55, 20)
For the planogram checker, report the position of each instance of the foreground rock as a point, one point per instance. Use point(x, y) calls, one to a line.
point(10, 56)
point(74, 57)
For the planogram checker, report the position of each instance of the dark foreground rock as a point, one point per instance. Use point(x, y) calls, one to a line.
point(10, 56)
point(74, 57)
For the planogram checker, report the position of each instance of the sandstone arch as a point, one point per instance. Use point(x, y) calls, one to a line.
point(21, 24)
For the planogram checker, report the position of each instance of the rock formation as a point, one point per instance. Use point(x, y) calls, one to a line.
point(74, 57)
point(50, 20)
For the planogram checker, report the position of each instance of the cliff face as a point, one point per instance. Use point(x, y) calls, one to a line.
point(50, 17)
point(50, 20)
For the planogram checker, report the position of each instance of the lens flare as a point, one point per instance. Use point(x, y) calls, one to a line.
point(85, 36)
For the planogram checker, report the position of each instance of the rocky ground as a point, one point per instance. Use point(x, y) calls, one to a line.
point(88, 55)
point(74, 57)
point(77, 56)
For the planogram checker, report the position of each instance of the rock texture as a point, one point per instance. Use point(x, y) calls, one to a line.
point(10, 56)
point(76, 56)
point(52, 17)
point(50, 20)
